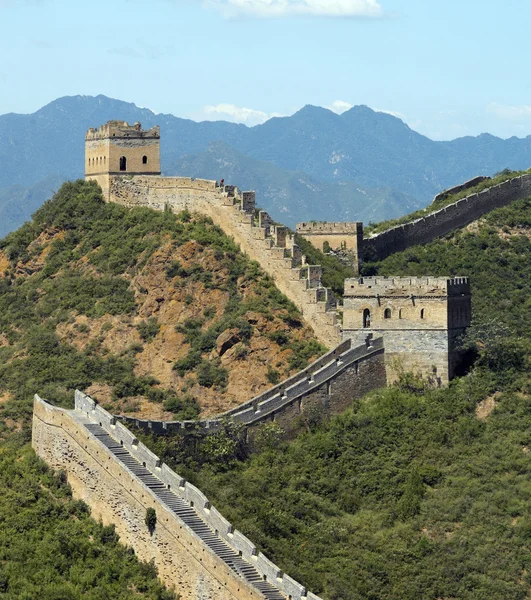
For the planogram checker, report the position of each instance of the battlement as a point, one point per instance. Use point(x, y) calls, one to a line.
point(334, 236)
point(407, 286)
point(122, 129)
point(318, 227)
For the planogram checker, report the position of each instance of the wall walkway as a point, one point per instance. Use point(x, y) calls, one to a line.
point(194, 547)
point(330, 384)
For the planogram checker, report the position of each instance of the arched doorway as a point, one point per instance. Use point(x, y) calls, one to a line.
point(123, 163)
point(366, 318)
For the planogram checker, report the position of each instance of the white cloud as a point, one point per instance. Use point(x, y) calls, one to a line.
point(237, 114)
point(339, 106)
point(509, 112)
point(282, 8)
point(393, 113)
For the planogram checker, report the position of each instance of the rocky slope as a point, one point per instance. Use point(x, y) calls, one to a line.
point(152, 313)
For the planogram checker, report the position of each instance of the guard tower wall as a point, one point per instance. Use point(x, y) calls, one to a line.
point(344, 236)
point(420, 320)
point(118, 148)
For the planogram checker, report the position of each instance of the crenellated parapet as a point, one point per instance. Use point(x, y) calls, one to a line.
point(272, 245)
point(195, 548)
point(330, 384)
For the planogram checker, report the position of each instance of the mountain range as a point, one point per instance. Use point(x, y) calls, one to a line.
point(361, 165)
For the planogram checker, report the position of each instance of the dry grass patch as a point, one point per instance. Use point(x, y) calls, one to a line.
point(485, 407)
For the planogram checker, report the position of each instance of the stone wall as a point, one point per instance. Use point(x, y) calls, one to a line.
point(445, 220)
point(273, 247)
point(345, 236)
point(116, 495)
point(419, 319)
point(332, 383)
point(460, 188)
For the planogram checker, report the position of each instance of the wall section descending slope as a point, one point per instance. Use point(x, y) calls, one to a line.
point(329, 385)
point(272, 246)
point(194, 547)
point(443, 221)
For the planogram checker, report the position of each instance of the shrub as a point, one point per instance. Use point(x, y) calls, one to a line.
point(151, 519)
point(273, 376)
point(149, 329)
point(211, 374)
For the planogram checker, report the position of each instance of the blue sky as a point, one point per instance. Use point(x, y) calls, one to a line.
point(448, 68)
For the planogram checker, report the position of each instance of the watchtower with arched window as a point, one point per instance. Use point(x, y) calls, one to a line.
point(419, 318)
point(118, 148)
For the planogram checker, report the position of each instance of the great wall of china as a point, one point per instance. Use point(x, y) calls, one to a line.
point(196, 550)
point(194, 547)
point(272, 246)
point(445, 220)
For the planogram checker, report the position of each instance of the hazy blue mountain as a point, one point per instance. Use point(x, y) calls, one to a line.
point(18, 203)
point(292, 196)
point(358, 150)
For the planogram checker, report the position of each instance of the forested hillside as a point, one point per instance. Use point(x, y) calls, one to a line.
point(97, 297)
point(153, 313)
point(414, 492)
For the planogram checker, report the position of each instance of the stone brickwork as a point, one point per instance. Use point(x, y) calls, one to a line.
point(443, 221)
point(419, 319)
point(331, 384)
point(196, 550)
point(337, 236)
point(120, 148)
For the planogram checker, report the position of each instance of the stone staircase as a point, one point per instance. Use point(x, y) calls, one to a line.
point(186, 513)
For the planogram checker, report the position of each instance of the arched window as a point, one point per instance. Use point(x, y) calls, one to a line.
point(366, 318)
point(144, 160)
point(422, 313)
point(399, 313)
point(387, 313)
point(123, 163)
point(104, 160)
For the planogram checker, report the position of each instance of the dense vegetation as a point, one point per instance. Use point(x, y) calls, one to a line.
point(498, 178)
point(50, 548)
point(81, 256)
point(414, 492)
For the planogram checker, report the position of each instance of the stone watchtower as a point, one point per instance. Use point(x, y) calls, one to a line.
point(118, 148)
point(345, 237)
point(420, 320)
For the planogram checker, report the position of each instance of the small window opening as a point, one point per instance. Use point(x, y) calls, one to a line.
point(387, 313)
point(366, 318)
point(123, 163)
point(422, 313)
point(144, 160)
point(399, 313)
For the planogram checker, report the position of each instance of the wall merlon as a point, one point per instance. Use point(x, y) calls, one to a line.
point(243, 545)
point(293, 588)
point(269, 569)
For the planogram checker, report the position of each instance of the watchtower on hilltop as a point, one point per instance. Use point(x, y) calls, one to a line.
point(118, 148)
point(420, 320)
